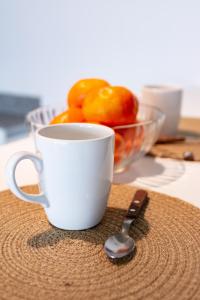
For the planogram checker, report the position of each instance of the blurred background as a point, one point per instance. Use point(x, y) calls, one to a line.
point(48, 45)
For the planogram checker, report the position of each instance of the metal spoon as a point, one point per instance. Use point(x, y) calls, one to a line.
point(188, 155)
point(121, 244)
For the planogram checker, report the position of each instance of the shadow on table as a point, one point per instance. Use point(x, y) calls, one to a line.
point(143, 167)
point(97, 235)
point(148, 172)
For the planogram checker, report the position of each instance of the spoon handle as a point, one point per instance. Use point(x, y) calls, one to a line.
point(137, 203)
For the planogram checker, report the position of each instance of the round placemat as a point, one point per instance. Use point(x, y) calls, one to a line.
point(190, 128)
point(38, 261)
point(177, 150)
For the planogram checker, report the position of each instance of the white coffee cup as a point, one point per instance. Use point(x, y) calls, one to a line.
point(168, 99)
point(75, 167)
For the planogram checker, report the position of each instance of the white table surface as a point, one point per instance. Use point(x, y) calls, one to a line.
point(172, 177)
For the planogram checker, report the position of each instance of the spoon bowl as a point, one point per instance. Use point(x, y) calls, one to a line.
point(119, 245)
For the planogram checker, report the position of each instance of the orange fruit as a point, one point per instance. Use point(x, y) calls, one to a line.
point(61, 118)
point(133, 138)
point(119, 147)
point(111, 106)
point(128, 135)
point(82, 88)
point(117, 157)
point(72, 115)
point(75, 115)
point(139, 138)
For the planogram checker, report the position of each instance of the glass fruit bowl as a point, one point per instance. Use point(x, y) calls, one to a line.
point(131, 141)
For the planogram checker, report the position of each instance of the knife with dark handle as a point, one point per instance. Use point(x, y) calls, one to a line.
point(168, 139)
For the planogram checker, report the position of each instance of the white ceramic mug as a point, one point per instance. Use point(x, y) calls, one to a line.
point(168, 99)
point(75, 167)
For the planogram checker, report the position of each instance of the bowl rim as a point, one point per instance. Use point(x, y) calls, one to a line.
point(41, 108)
point(140, 123)
point(144, 123)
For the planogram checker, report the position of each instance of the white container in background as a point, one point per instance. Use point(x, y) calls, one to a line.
point(168, 99)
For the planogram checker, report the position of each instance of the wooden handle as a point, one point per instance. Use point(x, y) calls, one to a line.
point(137, 203)
point(168, 139)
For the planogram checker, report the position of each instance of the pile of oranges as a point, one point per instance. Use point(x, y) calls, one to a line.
point(96, 101)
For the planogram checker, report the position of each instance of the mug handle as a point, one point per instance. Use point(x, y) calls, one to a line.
point(11, 179)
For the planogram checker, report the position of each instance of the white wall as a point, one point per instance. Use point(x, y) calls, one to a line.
point(46, 45)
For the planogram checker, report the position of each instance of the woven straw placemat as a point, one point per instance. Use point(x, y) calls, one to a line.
point(38, 261)
point(190, 128)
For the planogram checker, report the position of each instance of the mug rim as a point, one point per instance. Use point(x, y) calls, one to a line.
point(162, 88)
point(110, 132)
